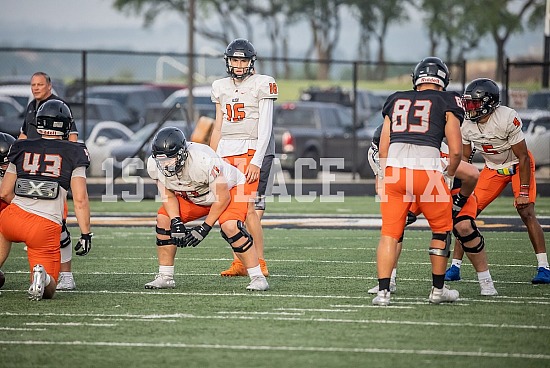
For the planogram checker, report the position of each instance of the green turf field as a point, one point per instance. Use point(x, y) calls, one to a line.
point(316, 314)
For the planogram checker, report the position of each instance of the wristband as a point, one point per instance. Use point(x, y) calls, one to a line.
point(526, 186)
point(524, 194)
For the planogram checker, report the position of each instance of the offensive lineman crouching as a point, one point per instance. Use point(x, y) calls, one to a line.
point(194, 182)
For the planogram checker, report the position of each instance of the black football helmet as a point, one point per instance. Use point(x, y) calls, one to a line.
point(169, 150)
point(54, 118)
point(243, 49)
point(431, 70)
point(481, 97)
point(6, 141)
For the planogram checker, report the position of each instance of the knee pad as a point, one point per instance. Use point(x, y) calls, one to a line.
point(473, 235)
point(446, 252)
point(242, 232)
point(161, 242)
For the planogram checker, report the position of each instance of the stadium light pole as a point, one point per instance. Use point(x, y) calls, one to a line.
point(545, 66)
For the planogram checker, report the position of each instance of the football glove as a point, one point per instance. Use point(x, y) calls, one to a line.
point(84, 244)
point(458, 202)
point(65, 239)
point(197, 234)
point(411, 218)
point(178, 232)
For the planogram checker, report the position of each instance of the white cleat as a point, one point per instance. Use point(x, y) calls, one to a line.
point(36, 290)
point(382, 298)
point(161, 281)
point(487, 287)
point(444, 295)
point(258, 283)
point(393, 288)
point(66, 282)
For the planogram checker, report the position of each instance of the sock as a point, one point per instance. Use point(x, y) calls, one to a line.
point(64, 273)
point(483, 275)
point(542, 258)
point(457, 262)
point(384, 284)
point(393, 274)
point(255, 271)
point(166, 270)
point(438, 281)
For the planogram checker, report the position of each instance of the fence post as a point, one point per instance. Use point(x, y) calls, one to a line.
point(84, 95)
point(507, 81)
point(354, 130)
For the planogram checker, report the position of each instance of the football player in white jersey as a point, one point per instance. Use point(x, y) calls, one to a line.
point(195, 182)
point(495, 131)
point(244, 118)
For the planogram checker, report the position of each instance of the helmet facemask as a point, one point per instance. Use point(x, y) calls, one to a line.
point(477, 108)
point(171, 165)
point(247, 70)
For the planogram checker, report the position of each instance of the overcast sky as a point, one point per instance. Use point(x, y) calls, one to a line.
point(94, 24)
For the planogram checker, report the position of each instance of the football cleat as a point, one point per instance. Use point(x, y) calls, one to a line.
point(161, 281)
point(236, 269)
point(258, 283)
point(443, 295)
point(382, 298)
point(452, 273)
point(487, 287)
point(66, 281)
point(542, 277)
point(36, 290)
point(263, 267)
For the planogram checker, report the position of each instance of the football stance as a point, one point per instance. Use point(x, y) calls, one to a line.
point(195, 182)
point(40, 173)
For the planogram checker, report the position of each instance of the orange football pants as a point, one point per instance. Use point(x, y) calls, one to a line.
point(39, 234)
point(490, 184)
point(242, 162)
point(189, 211)
point(427, 190)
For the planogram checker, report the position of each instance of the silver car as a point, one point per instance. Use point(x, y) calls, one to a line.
point(536, 128)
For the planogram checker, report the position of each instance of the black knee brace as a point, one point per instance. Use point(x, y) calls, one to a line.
point(446, 252)
point(473, 235)
point(242, 232)
point(161, 242)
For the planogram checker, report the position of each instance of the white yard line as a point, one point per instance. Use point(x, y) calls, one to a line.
point(245, 348)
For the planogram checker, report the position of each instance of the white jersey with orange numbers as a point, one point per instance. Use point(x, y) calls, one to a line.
point(239, 101)
point(495, 138)
point(195, 181)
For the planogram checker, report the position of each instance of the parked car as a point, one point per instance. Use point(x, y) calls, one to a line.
point(142, 138)
point(156, 112)
point(318, 130)
point(133, 97)
point(11, 116)
point(201, 96)
point(536, 128)
point(367, 102)
point(539, 100)
point(20, 92)
point(101, 109)
point(103, 137)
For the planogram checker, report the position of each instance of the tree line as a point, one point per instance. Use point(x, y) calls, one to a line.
point(453, 27)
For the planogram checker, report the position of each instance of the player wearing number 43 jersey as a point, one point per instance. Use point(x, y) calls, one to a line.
point(495, 131)
point(415, 123)
point(39, 175)
point(244, 119)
